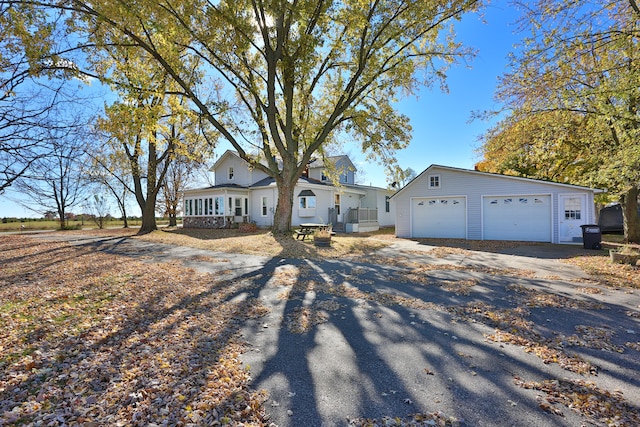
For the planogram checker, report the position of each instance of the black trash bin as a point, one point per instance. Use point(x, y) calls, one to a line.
point(591, 236)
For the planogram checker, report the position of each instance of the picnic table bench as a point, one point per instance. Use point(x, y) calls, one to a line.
point(307, 230)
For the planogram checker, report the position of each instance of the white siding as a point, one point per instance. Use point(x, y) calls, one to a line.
point(375, 199)
point(242, 175)
point(271, 194)
point(348, 201)
point(324, 199)
point(474, 186)
point(386, 219)
point(316, 173)
point(240, 171)
point(343, 166)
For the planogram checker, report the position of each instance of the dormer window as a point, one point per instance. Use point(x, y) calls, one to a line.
point(230, 173)
point(324, 177)
point(434, 181)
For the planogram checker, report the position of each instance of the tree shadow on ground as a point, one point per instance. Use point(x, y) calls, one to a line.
point(213, 233)
point(342, 341)
point(354, 341)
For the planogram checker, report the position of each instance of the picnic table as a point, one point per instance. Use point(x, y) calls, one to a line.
point(307, 230)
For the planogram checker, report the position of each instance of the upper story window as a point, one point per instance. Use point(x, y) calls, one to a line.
point(230, 172)
point(434, 181)
point(324, 177)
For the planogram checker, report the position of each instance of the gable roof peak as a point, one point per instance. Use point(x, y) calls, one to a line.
point(498, 175)
point(320, 162)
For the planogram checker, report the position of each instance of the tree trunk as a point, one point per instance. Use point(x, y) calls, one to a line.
point(125, 220)
point(629, 203)
point(148, 217)
point(63, 218)
point(172, 220)
point(284, 208)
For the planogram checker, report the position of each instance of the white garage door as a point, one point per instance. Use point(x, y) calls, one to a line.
point(439, 217)
point(526, 218)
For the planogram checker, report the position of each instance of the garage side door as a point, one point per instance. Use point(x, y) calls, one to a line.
point(443, 217)
point(525, 218)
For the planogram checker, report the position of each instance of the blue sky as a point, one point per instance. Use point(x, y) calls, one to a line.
point(442, 133)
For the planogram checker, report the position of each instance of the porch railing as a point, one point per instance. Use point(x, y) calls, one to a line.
point(362, 215)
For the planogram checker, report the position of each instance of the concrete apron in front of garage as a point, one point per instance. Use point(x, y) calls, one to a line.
point(543, 259)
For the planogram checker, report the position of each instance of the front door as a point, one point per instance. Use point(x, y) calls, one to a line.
point(572, 214)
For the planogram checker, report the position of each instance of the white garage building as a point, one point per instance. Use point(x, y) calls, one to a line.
point(448, 202)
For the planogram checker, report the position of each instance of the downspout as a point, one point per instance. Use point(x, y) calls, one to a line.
point(273, 208)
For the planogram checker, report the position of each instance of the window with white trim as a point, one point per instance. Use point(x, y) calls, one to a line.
point(434, 181)
point(230, 173)
point(307, 202)
point(264, 206)
point(218, 206)
point(573, 208)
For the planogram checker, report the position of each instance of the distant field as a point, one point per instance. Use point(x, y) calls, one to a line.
point(54, 225)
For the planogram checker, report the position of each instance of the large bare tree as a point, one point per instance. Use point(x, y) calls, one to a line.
point(55, 182)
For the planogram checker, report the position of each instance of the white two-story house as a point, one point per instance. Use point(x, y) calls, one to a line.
point(244, 194)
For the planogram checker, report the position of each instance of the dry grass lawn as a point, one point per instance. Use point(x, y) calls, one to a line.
point(266, 243)
point(95, 339)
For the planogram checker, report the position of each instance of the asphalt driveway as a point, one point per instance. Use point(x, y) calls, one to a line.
point(505, 338)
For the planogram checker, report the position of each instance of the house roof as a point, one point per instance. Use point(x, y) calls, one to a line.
point(221, 186)
point(265, 182)
point(475, 172)
point(355, 189)
point(319, 163)
point(315, 163)
point(227, 154)
point(223, 157)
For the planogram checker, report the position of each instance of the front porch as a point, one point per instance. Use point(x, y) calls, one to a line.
point(223, 208)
